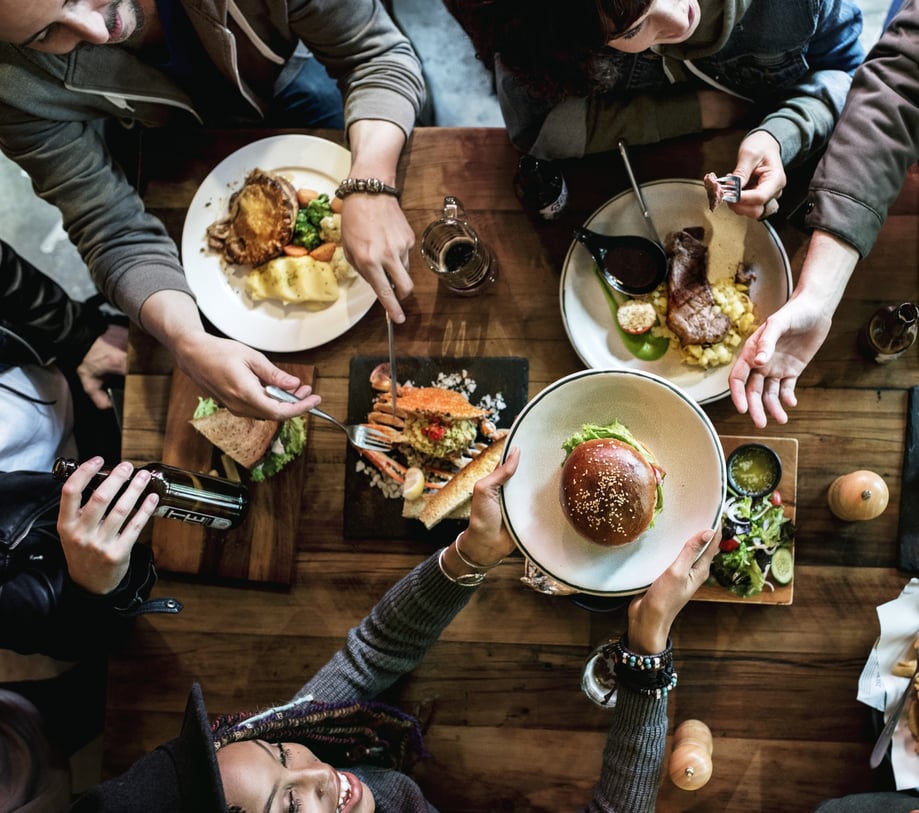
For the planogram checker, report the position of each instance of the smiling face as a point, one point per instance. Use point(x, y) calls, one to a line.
point(665, 23)
point(57, 27)
point(263, 777)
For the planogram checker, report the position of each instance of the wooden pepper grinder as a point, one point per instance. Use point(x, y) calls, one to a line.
point(691, 757)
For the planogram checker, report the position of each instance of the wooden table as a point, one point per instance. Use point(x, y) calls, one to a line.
point(509, 728)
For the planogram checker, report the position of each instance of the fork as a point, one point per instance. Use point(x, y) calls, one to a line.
point(730, 188)
point(359, 436)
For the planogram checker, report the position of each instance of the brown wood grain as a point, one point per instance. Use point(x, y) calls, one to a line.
point(262, 548)
point(509, 729)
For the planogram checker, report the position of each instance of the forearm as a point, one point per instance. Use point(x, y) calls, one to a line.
point(375, 149)
point(393, 638)
point(633, 756)
point(827, 269)
point(172, 318)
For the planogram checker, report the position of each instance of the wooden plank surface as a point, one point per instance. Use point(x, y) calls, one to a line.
point(508, 728)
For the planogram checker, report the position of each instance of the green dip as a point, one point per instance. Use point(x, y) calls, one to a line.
point(754, 470)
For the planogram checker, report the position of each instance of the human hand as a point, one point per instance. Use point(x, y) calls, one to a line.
point(766, 371)
point(236, 376)
point(97, 538)
point(759, 165)
point(377, 241)
point(486, 540)
point(652, 614)
point(106, 356)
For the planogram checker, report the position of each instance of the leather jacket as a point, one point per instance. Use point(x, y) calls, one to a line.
point(39, 323)
point(41, 608)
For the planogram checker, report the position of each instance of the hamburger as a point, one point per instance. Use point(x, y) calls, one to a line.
point(611, 488)
point(264, 447)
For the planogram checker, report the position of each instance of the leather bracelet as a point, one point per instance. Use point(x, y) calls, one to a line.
point(469, 562)
point(369, 186)
point(466, 579)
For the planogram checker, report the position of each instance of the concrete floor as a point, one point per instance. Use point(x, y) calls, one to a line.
point(462, 94)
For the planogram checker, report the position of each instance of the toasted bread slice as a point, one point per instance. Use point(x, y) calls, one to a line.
point(246, 440)
point(411, 509)
point(459, 488)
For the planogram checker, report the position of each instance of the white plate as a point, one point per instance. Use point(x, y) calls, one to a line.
point(306, 161)
point(663, 417)
point(674, 205)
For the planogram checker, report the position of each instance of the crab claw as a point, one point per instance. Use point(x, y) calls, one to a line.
point(380, 377)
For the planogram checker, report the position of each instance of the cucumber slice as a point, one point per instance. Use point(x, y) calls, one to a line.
point(783, 566)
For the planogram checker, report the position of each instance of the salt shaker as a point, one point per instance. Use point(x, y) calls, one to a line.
point(889, 332)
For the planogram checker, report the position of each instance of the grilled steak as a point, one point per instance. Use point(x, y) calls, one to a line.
point(691, 311)
point(260, 223)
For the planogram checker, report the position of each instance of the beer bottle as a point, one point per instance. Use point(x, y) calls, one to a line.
point(184, 495)
point(540, 186)
point(889, 332)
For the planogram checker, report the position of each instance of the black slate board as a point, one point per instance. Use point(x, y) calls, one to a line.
point(368, 513)
point(908, 530)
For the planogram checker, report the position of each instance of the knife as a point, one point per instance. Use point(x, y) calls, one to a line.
point(393, 380)
point(880, 747)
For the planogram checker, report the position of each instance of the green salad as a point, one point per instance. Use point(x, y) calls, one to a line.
point(756, 545)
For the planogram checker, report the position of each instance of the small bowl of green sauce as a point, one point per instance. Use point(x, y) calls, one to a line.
point(754, 470)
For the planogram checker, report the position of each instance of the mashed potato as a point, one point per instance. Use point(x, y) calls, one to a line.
point(732, 298)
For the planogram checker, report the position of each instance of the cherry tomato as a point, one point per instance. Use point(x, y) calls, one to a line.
point(776, 498)
point(727, 545)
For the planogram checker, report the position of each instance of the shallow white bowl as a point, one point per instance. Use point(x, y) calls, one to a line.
point(663, 417)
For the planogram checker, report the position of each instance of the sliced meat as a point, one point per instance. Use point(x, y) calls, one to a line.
point(261, 220)
point(713, 189)
point(691, 311)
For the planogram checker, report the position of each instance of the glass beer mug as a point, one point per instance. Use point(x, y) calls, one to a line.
point(453, 251)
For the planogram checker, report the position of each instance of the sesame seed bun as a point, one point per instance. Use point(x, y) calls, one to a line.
point(608, 491)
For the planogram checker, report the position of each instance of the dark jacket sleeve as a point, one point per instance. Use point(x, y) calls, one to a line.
point(875, 142)
point(41, 609)
point(39, 323)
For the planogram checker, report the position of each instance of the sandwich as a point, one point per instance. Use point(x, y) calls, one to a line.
point(611, 488)
point(264, 447)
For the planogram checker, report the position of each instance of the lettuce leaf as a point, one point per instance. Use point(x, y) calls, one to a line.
point(206, 406)
point(290, 442)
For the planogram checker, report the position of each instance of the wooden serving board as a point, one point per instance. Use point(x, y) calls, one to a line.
point(263, 548)
point(787, 450)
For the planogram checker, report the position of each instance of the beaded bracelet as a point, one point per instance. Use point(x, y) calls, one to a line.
point(648, 675)
point(370, 186)
point(620, 653)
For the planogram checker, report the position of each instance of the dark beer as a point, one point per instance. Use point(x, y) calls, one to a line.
point(184, 495)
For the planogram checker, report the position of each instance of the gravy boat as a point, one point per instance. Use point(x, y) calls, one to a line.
point(630, 264)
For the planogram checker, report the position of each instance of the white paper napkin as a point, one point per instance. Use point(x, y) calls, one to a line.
point(878, 688)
